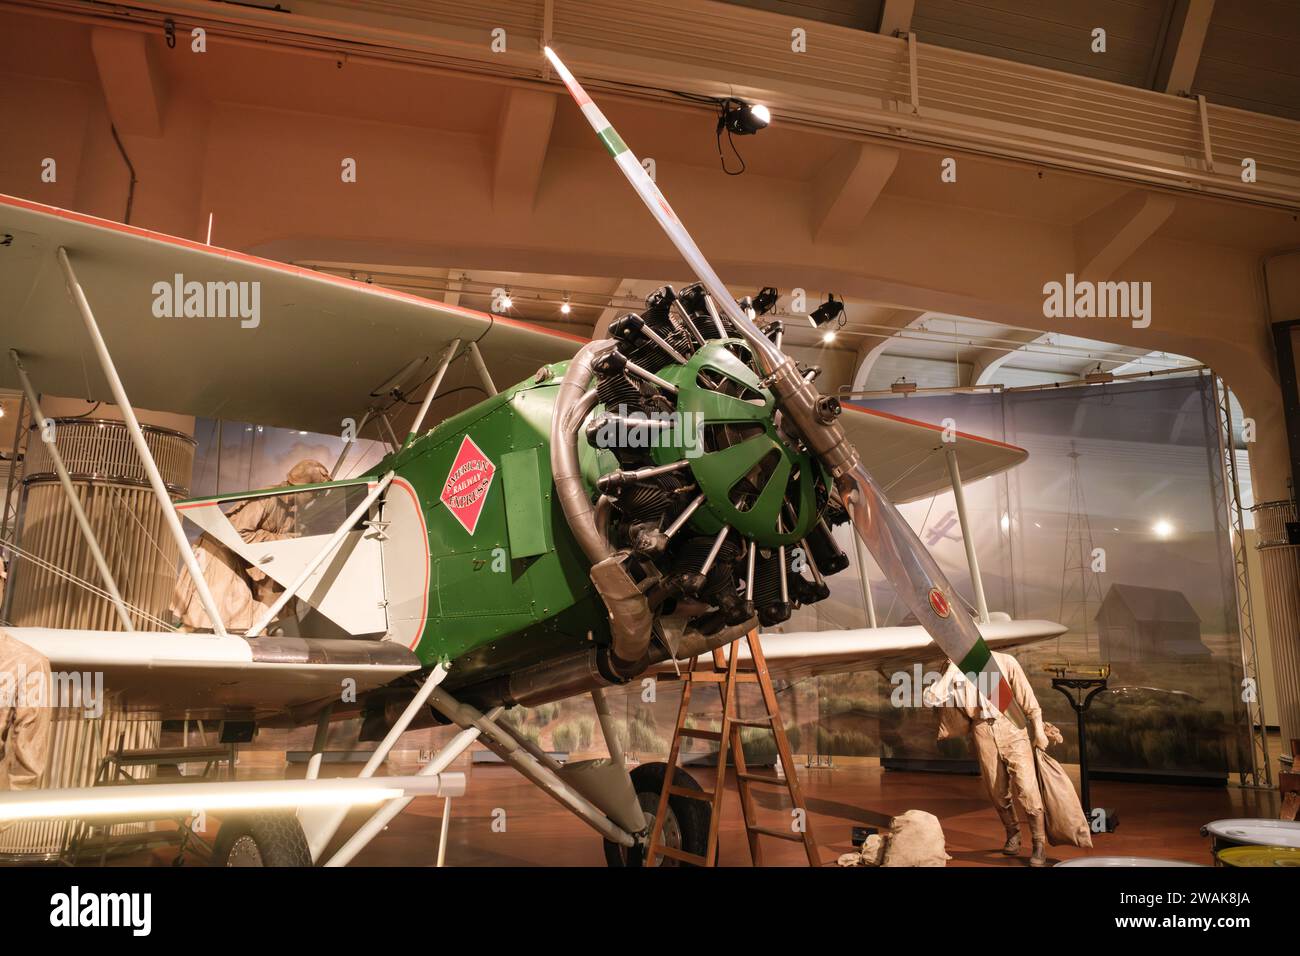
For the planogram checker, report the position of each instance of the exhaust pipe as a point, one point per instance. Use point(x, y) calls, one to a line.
point(630, 618)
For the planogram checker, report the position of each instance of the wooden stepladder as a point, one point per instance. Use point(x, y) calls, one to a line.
point(726, 676)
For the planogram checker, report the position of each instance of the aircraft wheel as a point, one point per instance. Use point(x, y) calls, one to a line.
point(261, 839)
point(687, 825)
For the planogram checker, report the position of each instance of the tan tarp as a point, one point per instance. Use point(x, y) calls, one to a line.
point(1066, 825)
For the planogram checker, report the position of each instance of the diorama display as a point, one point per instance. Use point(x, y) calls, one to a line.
point(647, 501)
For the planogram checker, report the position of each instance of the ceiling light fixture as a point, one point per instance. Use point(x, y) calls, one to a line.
point(739, 118)
point(828, 311)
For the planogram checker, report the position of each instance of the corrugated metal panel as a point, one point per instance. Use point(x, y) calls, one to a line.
point(1251, 56)
point(926, 373)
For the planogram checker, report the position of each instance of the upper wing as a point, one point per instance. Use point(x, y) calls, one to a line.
point(792, 656)
point(321, 345)
point(907, 457)
point(205, 676)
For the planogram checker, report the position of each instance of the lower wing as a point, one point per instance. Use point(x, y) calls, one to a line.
point(813, 653)
point(203, 676)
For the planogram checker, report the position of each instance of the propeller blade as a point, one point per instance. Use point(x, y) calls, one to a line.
point(649, 193)
point(896, 548)
point(928, 595)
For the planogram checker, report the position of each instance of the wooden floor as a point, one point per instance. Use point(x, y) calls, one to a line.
point(1155, 820)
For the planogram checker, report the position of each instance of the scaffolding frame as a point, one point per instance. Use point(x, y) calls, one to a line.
point(1228, 488)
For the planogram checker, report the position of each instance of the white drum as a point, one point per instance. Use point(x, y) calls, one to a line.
point(1124, 861)
point(1252, 832)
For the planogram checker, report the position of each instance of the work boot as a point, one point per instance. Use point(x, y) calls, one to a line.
point(1037, 830)
point(1012, 846)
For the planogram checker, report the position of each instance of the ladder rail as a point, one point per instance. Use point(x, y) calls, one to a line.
point(726, 676)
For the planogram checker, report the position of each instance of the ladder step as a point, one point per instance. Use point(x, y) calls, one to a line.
point(779, 834)
point(700, 734)
point(705, 795)
point(711, 677)
point(763, 778)
point(681, 855)
point(765, 722)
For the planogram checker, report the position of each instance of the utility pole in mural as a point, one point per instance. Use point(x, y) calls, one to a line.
point(1080, 582)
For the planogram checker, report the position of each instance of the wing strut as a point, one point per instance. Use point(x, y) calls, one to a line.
point(170, 517)
point(73, 501)
point(959, 495)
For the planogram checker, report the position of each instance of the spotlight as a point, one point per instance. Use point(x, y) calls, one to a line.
point(1163, 528)
point(507, 302)
point(828, 311)
point(765, 300)
point(828, 337)
point(565, 308)
point(741, 118)
point(738, 118)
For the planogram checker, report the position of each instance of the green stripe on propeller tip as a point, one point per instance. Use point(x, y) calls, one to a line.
point(613, 142)
point(976, 659)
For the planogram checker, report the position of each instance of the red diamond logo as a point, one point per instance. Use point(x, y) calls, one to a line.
point(467, 484)
point(939, 603)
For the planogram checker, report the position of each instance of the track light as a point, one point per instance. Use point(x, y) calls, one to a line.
point(565, 308)
point(743, 119)
point(828, 337)
point(765, 300)
point(507, 302)
point(828, 311)
point(739, 118)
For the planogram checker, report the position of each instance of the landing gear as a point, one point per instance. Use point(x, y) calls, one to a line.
point(261, 839)
point(687, 825)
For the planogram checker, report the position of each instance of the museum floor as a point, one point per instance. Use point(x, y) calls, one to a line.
point(1156, 820)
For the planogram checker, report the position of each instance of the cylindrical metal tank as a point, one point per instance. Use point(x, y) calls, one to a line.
point(123, 513)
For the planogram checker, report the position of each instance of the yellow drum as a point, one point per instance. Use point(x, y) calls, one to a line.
point(1259, 856)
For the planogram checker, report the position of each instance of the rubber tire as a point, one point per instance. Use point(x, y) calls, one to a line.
point(278, 837)
point(692, 815)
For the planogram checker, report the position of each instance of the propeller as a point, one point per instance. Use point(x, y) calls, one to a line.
point(899, 552)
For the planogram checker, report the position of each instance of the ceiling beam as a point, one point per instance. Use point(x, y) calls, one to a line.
point(1107, 238)
point(1181, 51)
point(847, 187)
point(135, 90)
point(875, 342)
point(990, 360)
point(523, 135)
point(896, 17)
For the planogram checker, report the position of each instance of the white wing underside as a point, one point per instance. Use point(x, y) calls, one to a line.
point(286, 679)
point(813, 653)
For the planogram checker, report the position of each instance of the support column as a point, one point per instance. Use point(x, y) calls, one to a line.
point(959, 495)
